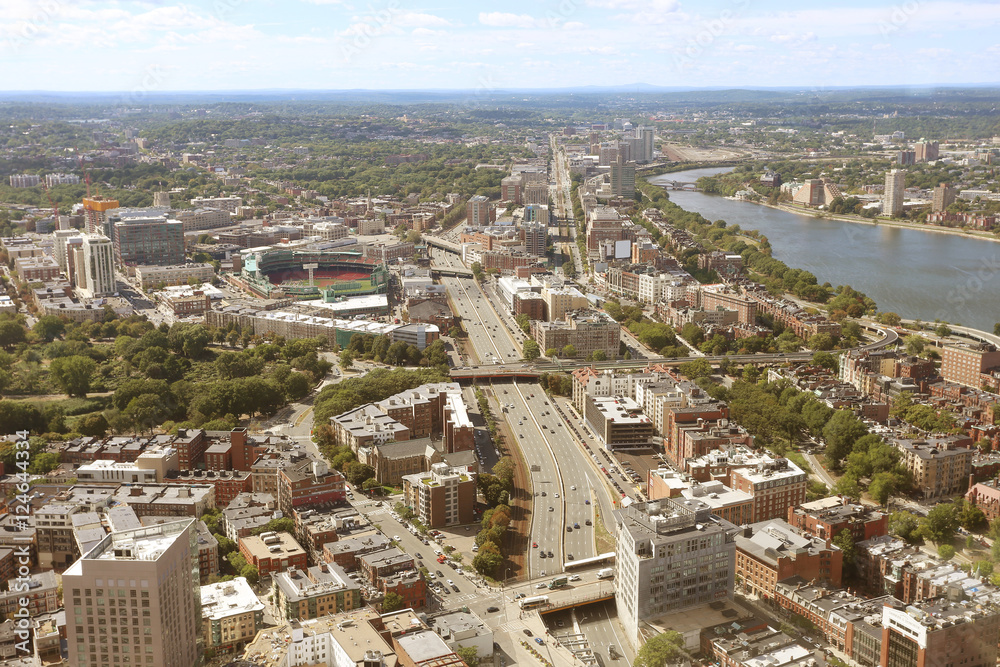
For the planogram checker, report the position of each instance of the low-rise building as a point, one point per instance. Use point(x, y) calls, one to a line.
point(587, 331)
point(320, 590)
point(150, 276)
point(769, 552)
point(272, 552)
point(827, 517)
point(350, 638)
point(231, 615)
point(775, 484)
point(618, 422)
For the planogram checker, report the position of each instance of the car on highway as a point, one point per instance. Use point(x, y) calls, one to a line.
point(551, 508)
point(574, 577)
point(534, 545)
point(491, 610)
point(575, 525)
point(569, 529)
point(541, 585)
point(451, 583)
point(520, 595)
point(550, 555)
point(589, 522)
point(418, 555)
point(573, 488)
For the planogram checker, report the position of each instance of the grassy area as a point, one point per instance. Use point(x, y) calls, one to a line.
point(604, 540)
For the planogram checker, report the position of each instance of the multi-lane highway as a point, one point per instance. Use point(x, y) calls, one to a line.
point(564, 485)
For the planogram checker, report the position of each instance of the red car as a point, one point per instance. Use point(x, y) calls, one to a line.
point(534, 545)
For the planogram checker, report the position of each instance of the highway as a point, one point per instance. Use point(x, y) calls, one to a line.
point(481, 323)
point(559, 522)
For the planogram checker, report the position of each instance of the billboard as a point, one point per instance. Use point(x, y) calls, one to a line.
point(623, 249)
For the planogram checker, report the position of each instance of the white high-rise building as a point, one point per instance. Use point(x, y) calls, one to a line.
point(63, 239)
point(98, 270)
point(892, 197)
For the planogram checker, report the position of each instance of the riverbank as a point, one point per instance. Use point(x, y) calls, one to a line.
point(857, 219)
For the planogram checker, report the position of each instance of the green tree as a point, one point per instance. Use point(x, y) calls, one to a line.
point(73, 374)
point(469, 655)
point(356, 472)
point(49, 327)
point(882, 487)
point(826, 360)
point(489, 558)
point(946, 552)
point(905, 525)
point(569, 351)
point(95, 425)
point(531, 350)
point(840, 433)
point(392, 602)
point(43, 463)
point(845, 541)
point(145, 411)
point(663, 649)
point(971, 517)
point(914, 344)
point(346, 359)
point(889, 318)
point(11, 333)
point(940, 524)
point(698, 368)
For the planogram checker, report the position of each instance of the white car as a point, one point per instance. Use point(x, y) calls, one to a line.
point(451, 583)
point(541, 585)
point(395, 538)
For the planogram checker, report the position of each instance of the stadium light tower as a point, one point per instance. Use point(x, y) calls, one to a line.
point(310, 268)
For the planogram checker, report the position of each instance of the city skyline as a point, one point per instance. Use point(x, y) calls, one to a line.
point(149, 47)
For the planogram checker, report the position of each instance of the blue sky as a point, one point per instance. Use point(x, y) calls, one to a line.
point(393, 44)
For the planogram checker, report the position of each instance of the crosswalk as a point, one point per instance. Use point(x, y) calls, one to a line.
point(512, 626)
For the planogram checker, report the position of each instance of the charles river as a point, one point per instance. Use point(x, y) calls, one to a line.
point(918, 274)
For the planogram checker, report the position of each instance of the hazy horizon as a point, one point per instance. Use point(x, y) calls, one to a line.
point(93, 46)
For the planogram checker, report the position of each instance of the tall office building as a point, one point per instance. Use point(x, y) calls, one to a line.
point(96, 211)
point(892, 197)
point(944, 196)
point(925, 151)
point(623, 179)
point(148, 239)
point(480, 212)
point(648, 136)
point(535, 236)
point(96, 269)
point(134, 600)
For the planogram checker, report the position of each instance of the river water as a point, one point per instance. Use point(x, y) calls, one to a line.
point(918, 274)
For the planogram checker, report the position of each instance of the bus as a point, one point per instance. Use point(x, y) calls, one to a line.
point(558, 582)
point(534, 603)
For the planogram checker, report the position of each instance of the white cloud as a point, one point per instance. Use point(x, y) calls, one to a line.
point(507, 20)
point(420, 20)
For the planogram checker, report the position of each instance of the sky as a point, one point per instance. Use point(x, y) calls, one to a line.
point(147, 46)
